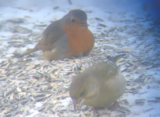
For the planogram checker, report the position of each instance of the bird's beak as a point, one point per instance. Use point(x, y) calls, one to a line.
point(84, 24)
point(81, 102)
point(77, 103)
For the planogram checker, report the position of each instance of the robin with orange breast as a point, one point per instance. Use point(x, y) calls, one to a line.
point(66, 38)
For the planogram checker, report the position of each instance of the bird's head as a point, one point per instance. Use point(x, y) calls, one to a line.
point(76, 17)
point(77, 91)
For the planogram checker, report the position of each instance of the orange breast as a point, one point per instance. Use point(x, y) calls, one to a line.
point(80, 39)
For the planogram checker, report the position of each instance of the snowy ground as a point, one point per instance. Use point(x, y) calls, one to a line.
point(32, 87)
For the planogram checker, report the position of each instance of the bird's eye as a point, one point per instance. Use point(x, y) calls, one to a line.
point(82, 93)
point(72, 20)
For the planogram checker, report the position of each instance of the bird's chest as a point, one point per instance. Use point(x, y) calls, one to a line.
point(79, 37)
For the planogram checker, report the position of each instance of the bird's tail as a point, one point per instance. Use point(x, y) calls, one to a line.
point(26, 53)
point(115, 59)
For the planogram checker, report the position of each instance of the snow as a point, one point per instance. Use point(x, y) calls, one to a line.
point(43, 13)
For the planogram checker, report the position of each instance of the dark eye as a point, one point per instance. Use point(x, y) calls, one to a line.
point(82, 93)
point(73, 20)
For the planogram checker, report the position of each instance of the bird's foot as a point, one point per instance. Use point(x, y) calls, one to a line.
point(94, 109)
point(114, 106)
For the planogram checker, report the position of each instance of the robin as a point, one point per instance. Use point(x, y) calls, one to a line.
point(65, 38)
point(98, 86)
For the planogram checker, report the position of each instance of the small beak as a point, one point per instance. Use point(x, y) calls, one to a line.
point(81, 102)
point(77, 103)
point(84, 24)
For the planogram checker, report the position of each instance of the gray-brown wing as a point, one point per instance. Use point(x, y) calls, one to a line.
point(51, 34)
